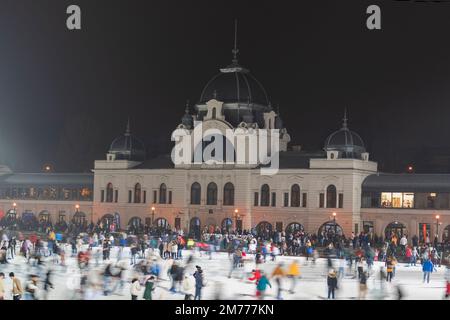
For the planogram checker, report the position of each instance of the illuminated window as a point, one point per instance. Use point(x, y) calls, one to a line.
point(397, 200)
point(408, 200)
point(386, 199)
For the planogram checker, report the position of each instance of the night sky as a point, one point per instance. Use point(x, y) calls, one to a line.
point(65, 95)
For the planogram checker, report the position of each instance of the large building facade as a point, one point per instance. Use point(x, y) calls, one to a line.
point(337, 189)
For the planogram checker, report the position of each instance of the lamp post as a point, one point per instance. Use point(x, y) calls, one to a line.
point(153, 216)
point(15, 210)
point(437, 227)
point(236, 215)
point(334, 222)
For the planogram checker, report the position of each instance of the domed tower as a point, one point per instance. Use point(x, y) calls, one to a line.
point(243, 96)
point(344, 144)
point(127, 147)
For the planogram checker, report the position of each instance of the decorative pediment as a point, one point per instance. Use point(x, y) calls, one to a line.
point(214, 110)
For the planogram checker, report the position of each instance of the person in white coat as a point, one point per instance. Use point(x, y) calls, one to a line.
point(188, 287)
point(135, 289)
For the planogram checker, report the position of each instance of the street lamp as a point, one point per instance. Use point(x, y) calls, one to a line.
point(153, 216)
point(437, 226)
point(236, 216)
point(334, 222)
point(15, 209)
point(77, 206)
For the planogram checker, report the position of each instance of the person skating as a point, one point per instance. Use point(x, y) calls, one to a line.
point(278, 275)
point(198, 275)
point(135, 289)
point(149, 288)
point(363, 286)
point(261, 286)
point(293, 273)
point(2, 286)
point(32, 289)
point(17, 290)
point(389, 269)
point(188, 288)
point(332, 284)
point(427, 269)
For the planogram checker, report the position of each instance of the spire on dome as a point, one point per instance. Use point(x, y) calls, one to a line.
point(344, 120)
point(127, 131)
point(235, 50)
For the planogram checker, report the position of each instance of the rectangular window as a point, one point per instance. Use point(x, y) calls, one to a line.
point(286, 199)
point(130, 196)
point(341, 200)
point(178, 223)
point(155, 196)
point(321, 200)
point(386, 199)
point(116, 195)
point(356, 228)
point(102, 196)
point(408, 200)
point(304, 200)
point(279, 226)
point(274, 199)
point(170, 197)
point(397, 199)
point(256, 199)
point(144, 197)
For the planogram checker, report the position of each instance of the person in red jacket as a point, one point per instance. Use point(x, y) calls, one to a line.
point(256, 276)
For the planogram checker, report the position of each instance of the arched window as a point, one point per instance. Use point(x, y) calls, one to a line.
point(211, 194)
point(162, 193)
point(265, 195)
point(137, 193)
point(331, 196)
point(228, 194)
point(213, 113)
point(109, 192)
point(295, 195)
point(196, 190)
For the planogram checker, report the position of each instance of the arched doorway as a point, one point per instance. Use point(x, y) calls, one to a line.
point(329, 229)
point(294, 227)
point(10, 220)
point(227, 224)
point(194, 228)
point(162, 225)
point(29, 221)
point(446, 234)
point(264, 230)
point(396, 228)
point(135, 225)
point(107, 223)
point(79, 218)
point(44, 217)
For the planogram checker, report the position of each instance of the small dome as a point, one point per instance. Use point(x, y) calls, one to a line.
point(348, 142)
point(128, 147)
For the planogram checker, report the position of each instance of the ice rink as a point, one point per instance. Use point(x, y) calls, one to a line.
point(310, 285)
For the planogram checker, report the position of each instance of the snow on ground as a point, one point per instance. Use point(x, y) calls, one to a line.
point(310, 285)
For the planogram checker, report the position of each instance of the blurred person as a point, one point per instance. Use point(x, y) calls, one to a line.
point(199, 277)
point(2, 286)
point(293, 273)
point(32, 289)
point(48, 283)
point(261, 286)
point(389, 269)
point(17, 290)
point(427, 269)
point(363, 285)
point(135, 289)
point(278, 274)
point(332, 284)
point(188, 288)
point(149, 288)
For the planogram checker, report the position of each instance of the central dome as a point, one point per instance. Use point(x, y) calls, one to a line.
point(234, 84)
